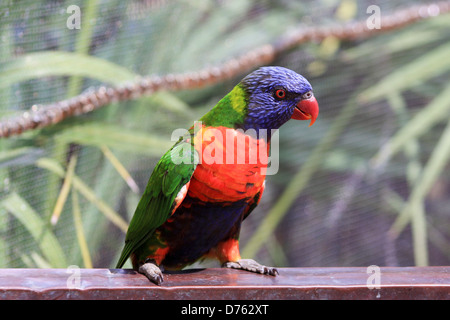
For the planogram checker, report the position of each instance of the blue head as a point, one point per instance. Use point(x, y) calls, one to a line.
point(275, 95)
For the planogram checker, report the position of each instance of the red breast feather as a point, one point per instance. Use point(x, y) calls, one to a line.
point(216, 179)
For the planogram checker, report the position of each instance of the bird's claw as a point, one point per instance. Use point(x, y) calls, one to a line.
point(252, 266)
point(152, 272)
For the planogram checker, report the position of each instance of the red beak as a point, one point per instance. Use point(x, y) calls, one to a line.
point(307, 109)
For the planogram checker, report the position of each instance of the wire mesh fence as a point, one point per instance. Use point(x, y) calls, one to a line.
point(368, 184)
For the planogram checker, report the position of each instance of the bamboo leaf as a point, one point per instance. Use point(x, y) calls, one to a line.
point(172, 103)
point(39, 261)
point(36, 226)
point(64, 190)
point(414, 208)
point(412, 147)
point(434, 63)
point(82, 43)
point(80, 231)
point(114, 137)
point(123, 172)
point(3, 243)
point(6, 155)
point(60, 63)
point(410, 38)
point(437, 110)
point(419, 234)
point(19, 156)
point(87, 192)
point(435, 165)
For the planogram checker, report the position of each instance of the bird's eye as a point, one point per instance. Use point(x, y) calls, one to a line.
point(280, 94)
point(307, 95)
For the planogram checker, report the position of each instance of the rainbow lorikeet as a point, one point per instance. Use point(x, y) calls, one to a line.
point(202, 188)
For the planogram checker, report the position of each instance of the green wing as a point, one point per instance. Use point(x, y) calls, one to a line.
point(172, 172)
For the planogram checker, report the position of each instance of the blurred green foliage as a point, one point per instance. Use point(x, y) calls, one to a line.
point(369, 183)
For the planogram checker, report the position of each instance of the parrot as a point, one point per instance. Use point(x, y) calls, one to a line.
point(202, 188)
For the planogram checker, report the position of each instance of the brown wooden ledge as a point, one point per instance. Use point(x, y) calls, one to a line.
point(292, 283)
